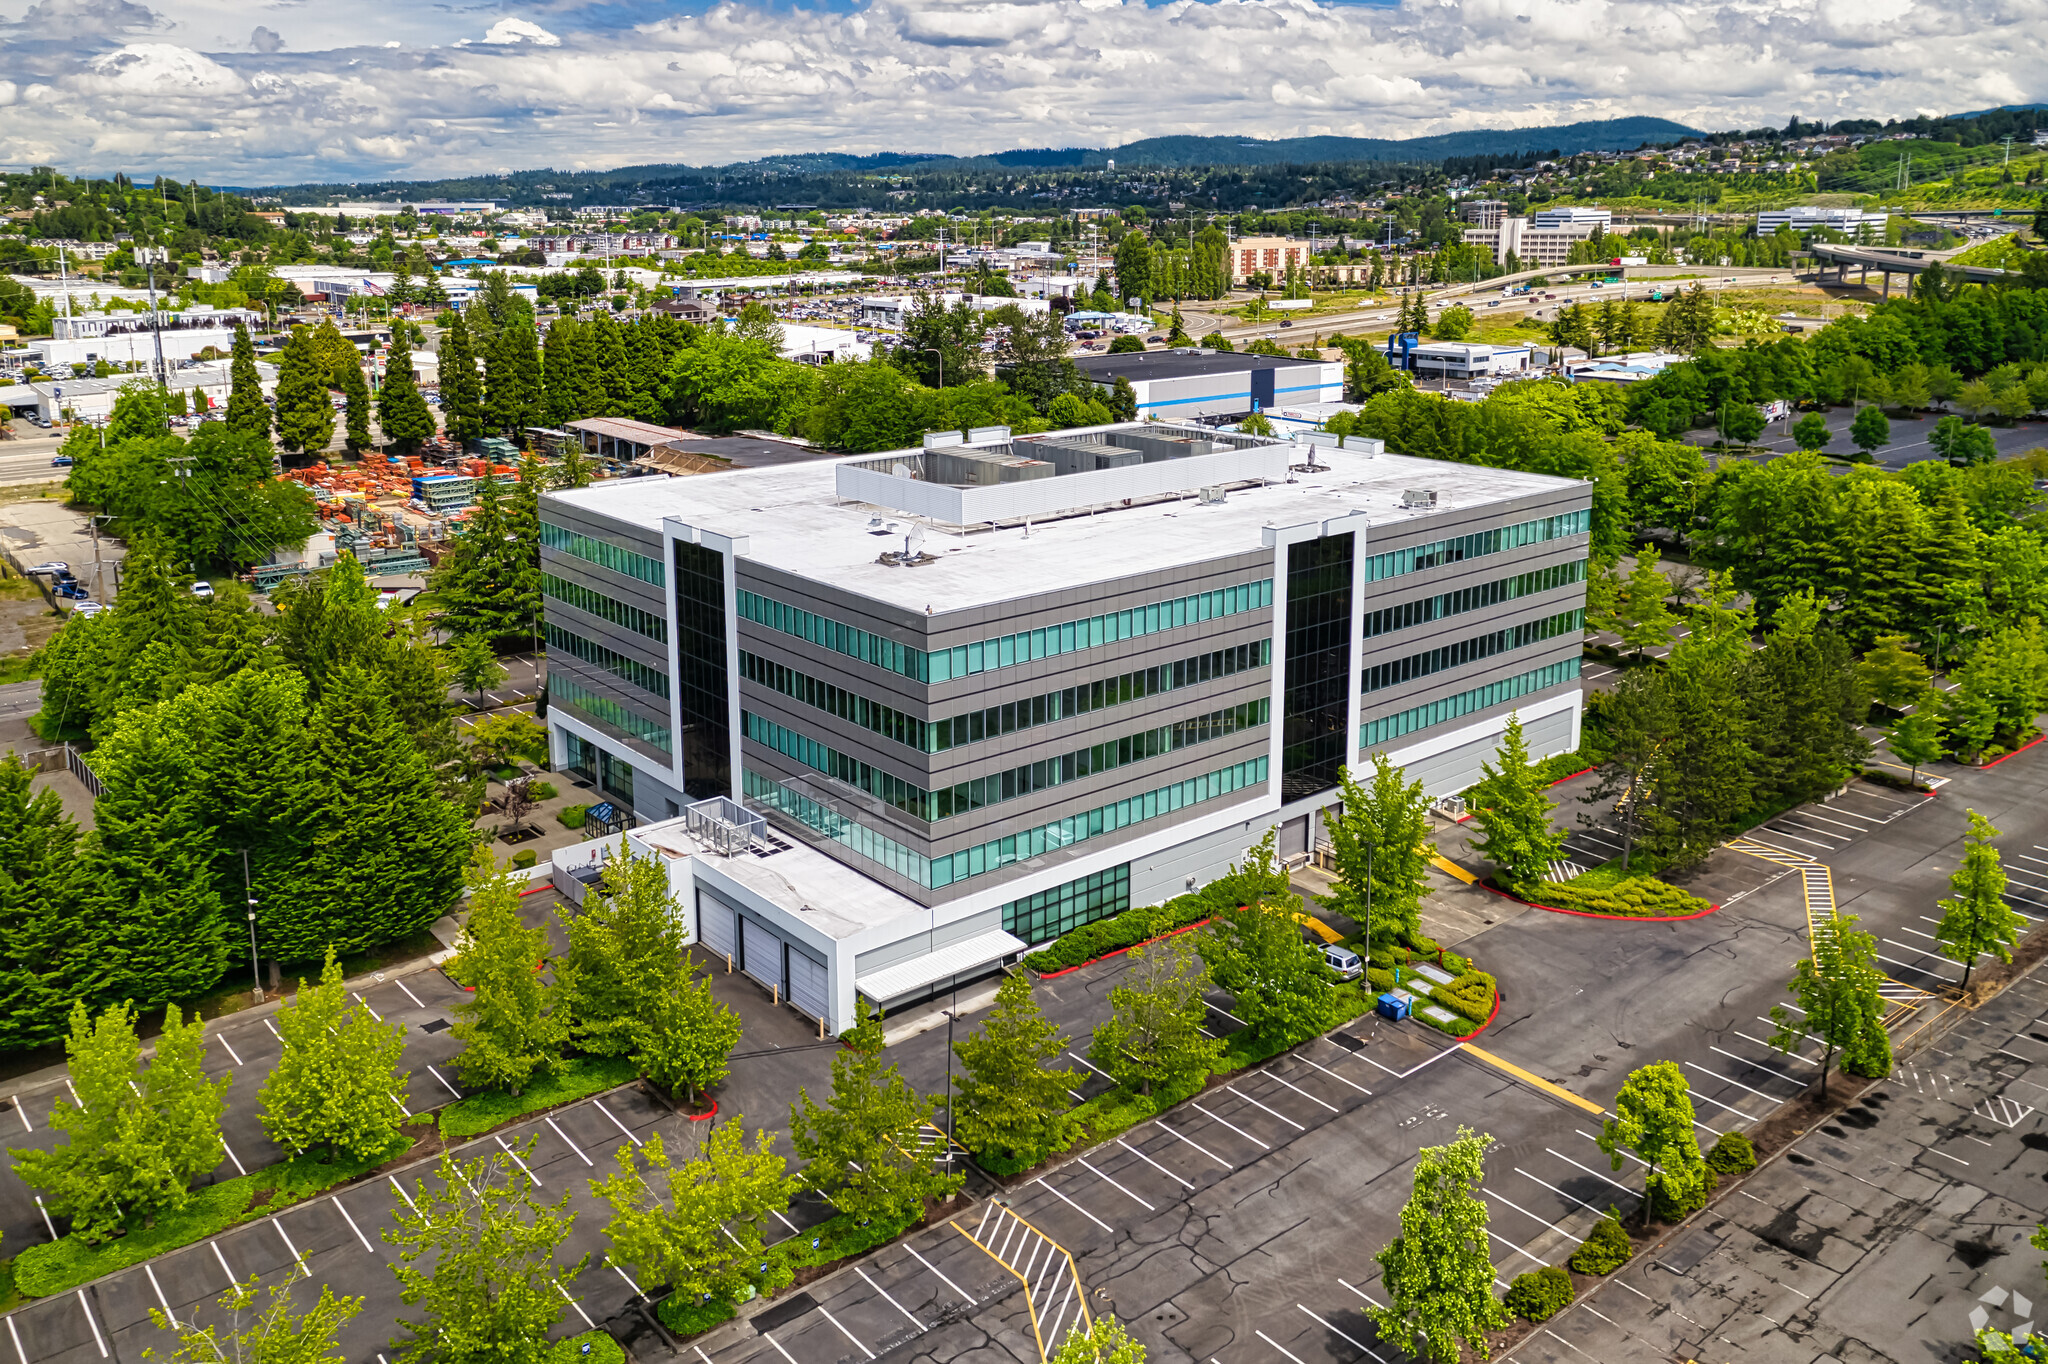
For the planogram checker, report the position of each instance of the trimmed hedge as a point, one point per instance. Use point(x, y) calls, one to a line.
point(592, 1347)
point(1732, 1154)
point(1540, 1294)
point(1606, 1249)
point(577, 1079)
point(1470, 994)
point(572, 815)
point(1119, 931)
point(525, 858)
point(1639, 897)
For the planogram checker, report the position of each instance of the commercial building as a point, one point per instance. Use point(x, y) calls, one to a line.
point(1528, 243)
point(1482, 212)
point(1629, 367)
point(1855, 222)
point(892, 719)
point(1577, 215)
point(93, 399)
point(1269, 256)
point(1189, 382)
point(133, 338)
point(1464, 360)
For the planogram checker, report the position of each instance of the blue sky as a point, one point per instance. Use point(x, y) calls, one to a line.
point(290, 90)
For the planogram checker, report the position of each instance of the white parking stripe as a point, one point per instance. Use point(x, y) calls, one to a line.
point(1803, 1060)
point(1281, 1348)
point(408, 993)
point(273, 1030)
point(888, 1299)
point(19, 1353)
point(1189, 1140)
point(336, 1200)
point(161, 1299)
point(93, 1322)
point(223, 1262)
point(1559, 1192)
point(778, 1347)
point(599, 1105)
point(844, 1332)
point(1075, 1206)
point(1239, 1130)
point(444, 1082)
point(1595, 1173)
point(1696, 1094)
point(46, 1217)
point(1361, 1293)
point(1274, 1111)
point(572, 1145)
point(286, 1236)
point(1518, 1250)
point(1335, 1076)
point(942, 1278)
point(1737, 1083)
point(1334, 1331)
point(1082, 1161)
point(366, 1004)
point(1575, 1240)
point(520, 1163)
point(232, 1156)
point(1302, 1092)
point(575, 1304)
point(1092, 1066)
point(1154, 1164)
point(232, 1055)
point(1788, 1079)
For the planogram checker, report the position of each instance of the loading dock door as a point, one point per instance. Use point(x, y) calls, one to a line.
point(715, 918)
point(809, 983)
point(761, 954)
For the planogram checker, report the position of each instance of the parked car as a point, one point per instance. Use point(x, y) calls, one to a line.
point(61, 462)
point(55, 567)
point(1286, 321)
point(1343, 961)
point(73, 590)
point(87, 608)
point(202, 589)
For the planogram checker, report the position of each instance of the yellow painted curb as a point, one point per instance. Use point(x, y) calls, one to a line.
point(1445, 865)
point(1536, 1080)
point(1319, 928)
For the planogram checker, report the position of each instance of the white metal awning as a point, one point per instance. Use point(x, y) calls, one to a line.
point(893, 982)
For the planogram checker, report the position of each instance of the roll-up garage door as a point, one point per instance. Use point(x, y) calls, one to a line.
point(714, 921)
point(761, 953)
point(809, 989)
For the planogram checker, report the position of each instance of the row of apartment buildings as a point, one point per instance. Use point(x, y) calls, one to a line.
point(891, 720)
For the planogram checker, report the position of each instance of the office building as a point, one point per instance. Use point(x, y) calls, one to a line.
point(1854, 222)
point(1189, 382)
point(1482, 212)
point(1529, 244)
point(1464, 360)
point(1268, 256)
point(892, 719)
point(1576, 215)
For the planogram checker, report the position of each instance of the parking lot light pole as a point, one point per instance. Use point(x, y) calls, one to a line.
point(255, 968)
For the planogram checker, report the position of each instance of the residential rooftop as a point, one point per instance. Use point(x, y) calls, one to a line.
point(794, 519)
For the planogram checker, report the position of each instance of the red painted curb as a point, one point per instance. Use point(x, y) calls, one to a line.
point(1562, 780)
point(1589, 914)
point(1171, 933)
point(1489, 1018)
point(704, 1117)
point(2043, 739)
point(536, 890)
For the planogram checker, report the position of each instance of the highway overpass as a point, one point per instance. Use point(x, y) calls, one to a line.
point(1893, 260)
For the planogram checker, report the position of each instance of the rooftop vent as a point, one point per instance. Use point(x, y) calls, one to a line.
point(1419, 497)
point(938, 440)
point(1214, 495)
point(982, 435)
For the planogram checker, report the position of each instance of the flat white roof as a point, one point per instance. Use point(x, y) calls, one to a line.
point(827, 895)
point(892, 982)
point(791, 519)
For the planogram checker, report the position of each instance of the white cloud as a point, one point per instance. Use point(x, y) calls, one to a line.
point(742, 80)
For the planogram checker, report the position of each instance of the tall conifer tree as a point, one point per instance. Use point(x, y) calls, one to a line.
point(247, 414)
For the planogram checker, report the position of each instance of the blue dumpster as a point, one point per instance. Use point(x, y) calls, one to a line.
point(1395, 1004)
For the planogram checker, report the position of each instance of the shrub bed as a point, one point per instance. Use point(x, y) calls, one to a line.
point(1732, 1154)
point(64, 1264)
point(1540, 1294)
point(1639, 897)
point(577, 1079)
point(592, 1347)
point(1471, 994)
point(572, 815)
point(1606, 1249)
point(1120, 931)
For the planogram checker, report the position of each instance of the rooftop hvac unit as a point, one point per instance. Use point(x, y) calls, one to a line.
point(1419, 497)
point(981, 435)
point(1213, 495)
point(938, 440)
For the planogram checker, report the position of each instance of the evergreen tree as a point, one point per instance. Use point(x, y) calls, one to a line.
point(1153, 1035)
point(561, 380)
point(1653, 1119)
point(1438, 1273)
point(462, 410)
point(40, 919)
point(1008, 1101)
point(1975, 919)
point(247, 414)
point(478, 1255)
point(700, 1232)
point(1894, 675)
point(357, 390)
point(473, 666)
point(1380, 838)
point(305, 414)
point(862, 1149)
point(387, 849)
point(1636, 722)
point(147, 866)
point(1514, 815)
point(608, 345)
point(488, 581)
point(276, 1335)
point(646, 368)
point(401, 411)
point(512, 394)
point(512, 1027)
point(1123, 400)
point(1836, 986)
point(1810, 704)
point(337, 1086)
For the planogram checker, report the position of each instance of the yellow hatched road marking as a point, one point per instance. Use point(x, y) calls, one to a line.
point(1538, 1081)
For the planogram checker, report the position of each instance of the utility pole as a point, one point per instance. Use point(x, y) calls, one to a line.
point(94, 523)
point(156, 326)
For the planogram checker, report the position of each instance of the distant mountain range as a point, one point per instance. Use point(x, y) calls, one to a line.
point(1617, 134)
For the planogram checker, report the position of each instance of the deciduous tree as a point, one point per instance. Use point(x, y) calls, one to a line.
point(1438, 1273)
point(477, 1255)
point(1836, 986)
point(338, 1084)
point(1256, 951)
point(274, 1334)
point(512, 1027)
point(863, 1148)
point(1008, 1100)
point(1514, 815)
point(695, 1224)
point(1380, 839)
point(1153, 1035)
point(1653, 1119)
point(1975, 919)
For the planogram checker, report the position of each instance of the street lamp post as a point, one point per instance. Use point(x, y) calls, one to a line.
point(934, 350)
point(255, 967)
point(951, 1014)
